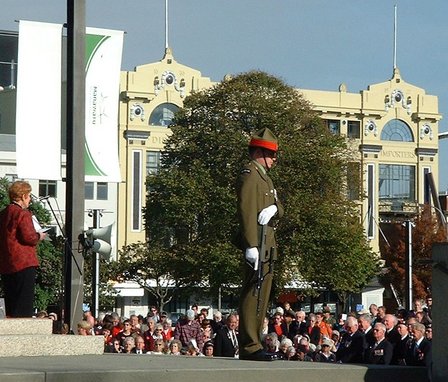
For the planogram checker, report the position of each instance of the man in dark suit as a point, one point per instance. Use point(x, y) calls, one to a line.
point(381, 352)
point(351, 349)
point(420, 351)
point(401, 348)
point(217, 323)
point(226, 340)
point(392, 335)
point(301, 322)
point(290, 325)
point(139, 345)
point(365, 326)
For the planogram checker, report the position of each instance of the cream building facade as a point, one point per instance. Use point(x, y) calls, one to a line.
point(392, 129)
point(149, 97)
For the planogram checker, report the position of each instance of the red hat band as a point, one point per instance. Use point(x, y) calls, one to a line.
point(264, 144)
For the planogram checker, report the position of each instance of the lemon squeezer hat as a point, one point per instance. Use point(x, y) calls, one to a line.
point(265, 139)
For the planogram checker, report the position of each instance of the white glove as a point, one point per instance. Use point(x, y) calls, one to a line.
point(252, 256)
point(266, 214)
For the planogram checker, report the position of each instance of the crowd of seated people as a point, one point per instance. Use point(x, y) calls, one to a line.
point(372, 336)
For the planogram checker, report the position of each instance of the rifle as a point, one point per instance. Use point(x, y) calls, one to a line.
point(259, 266)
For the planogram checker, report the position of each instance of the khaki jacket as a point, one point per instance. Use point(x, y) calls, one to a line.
point(255, 192)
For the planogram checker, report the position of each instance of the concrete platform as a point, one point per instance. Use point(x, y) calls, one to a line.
point(153, 368)
point(24, 326)
point(33, 337)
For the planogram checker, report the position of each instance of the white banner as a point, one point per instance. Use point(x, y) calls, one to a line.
point(103, 62)
point(38, 120)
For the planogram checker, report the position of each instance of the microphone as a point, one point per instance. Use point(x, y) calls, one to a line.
point(40, 198)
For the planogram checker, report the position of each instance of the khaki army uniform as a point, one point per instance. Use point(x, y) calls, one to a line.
point(255, 192)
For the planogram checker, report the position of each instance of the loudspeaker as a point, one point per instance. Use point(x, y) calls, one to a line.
point(100, 239)
point(103, 233)
point(103, 248)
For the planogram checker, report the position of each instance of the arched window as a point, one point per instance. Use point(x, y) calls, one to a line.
point(396, 130)
point(163, 114)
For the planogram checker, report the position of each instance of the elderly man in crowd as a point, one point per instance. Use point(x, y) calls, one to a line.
point(226, 340)
point(419, 353)
point(392, 335)
point(301, 322)
point(217, 323)
point(381, 352)
point(401, 347)
point(365, 326)
point(351, 349)
point(188, 329)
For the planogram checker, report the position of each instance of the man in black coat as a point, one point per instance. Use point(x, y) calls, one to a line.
point(402, 346)
point(301, 322)
point(420, 351)
point(365, 326)
point(226, 341)
point(290, 326)
point(392, 335)
point(218, 322)
point(381, 352)
point(352, 347)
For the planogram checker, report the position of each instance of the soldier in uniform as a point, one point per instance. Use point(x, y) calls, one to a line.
point(257, 206)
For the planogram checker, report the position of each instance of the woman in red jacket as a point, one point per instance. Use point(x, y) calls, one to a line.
point(18, 258)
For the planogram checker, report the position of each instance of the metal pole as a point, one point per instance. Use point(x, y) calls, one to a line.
point(95, 269)
point(74, 291)
point(409, 226)
point(395, 37)
point(12, 86)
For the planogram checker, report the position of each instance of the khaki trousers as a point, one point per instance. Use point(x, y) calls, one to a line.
point(251, 323)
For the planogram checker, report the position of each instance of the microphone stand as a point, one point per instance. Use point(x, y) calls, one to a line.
point(66, 246)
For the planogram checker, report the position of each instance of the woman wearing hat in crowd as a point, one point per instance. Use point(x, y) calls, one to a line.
point(257, 206)
point(325, 354)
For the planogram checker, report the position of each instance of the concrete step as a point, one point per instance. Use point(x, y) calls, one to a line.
point(25, 326)
point(49, 345)
point(33, 337)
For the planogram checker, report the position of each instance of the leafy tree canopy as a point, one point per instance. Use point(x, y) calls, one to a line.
point(191, 205)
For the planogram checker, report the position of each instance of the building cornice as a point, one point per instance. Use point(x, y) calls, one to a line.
point(136, 134)
point(426, 151)
point(370, 148)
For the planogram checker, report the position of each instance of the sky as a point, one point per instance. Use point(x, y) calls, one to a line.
point(310, 44)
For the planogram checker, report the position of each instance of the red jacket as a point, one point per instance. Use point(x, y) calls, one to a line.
point(18, 240)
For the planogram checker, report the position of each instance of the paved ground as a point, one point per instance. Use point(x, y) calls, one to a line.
point(152, 368)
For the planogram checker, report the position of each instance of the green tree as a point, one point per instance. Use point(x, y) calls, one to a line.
point(152, 267)
point(49, 274)
point(191, 205)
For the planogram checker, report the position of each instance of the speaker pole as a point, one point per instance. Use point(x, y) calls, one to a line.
point(95, 269)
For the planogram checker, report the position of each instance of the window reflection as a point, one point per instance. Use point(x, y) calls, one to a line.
point(396, 130)
point(163, 114)
point(397, 182)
